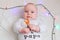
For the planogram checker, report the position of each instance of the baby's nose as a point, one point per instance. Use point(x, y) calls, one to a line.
point(29, 13)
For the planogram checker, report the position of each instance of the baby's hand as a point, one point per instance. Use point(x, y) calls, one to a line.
point(24, 30)
point(34, 28)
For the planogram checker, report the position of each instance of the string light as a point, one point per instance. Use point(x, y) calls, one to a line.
point(57, 26)
point(14, 11)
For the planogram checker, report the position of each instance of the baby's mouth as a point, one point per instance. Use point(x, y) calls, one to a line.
point(28, 16)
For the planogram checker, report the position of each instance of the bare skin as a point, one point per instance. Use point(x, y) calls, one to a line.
point(30, 12)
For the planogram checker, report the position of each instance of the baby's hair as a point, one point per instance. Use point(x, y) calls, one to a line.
point(30, 4)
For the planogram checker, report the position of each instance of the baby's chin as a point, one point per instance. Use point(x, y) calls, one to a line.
point(31, 18)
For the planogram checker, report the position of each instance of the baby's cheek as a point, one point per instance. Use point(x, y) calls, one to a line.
point(25, 15)
point(33, 16)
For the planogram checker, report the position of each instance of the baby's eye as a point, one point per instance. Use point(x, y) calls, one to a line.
point(32, 12)
point(25, 11)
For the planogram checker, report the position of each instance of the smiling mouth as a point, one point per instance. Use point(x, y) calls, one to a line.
point(28, 16)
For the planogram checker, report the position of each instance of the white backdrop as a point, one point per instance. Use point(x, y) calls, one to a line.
point(9, 16)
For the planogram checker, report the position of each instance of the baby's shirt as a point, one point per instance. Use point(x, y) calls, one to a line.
point(32, 35)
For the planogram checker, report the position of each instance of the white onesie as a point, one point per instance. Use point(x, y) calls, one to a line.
point(30, 36)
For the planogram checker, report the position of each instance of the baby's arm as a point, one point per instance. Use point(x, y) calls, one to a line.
point(24, 30)
point(17, 28)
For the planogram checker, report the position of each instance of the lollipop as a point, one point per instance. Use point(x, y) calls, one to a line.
point(27, 21)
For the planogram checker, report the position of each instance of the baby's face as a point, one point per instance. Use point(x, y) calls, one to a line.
point(30, 12)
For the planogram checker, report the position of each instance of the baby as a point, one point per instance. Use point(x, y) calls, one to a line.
point(28, 28)
point(30, 13)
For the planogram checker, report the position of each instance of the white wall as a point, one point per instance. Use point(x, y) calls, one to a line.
point(8, 17)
